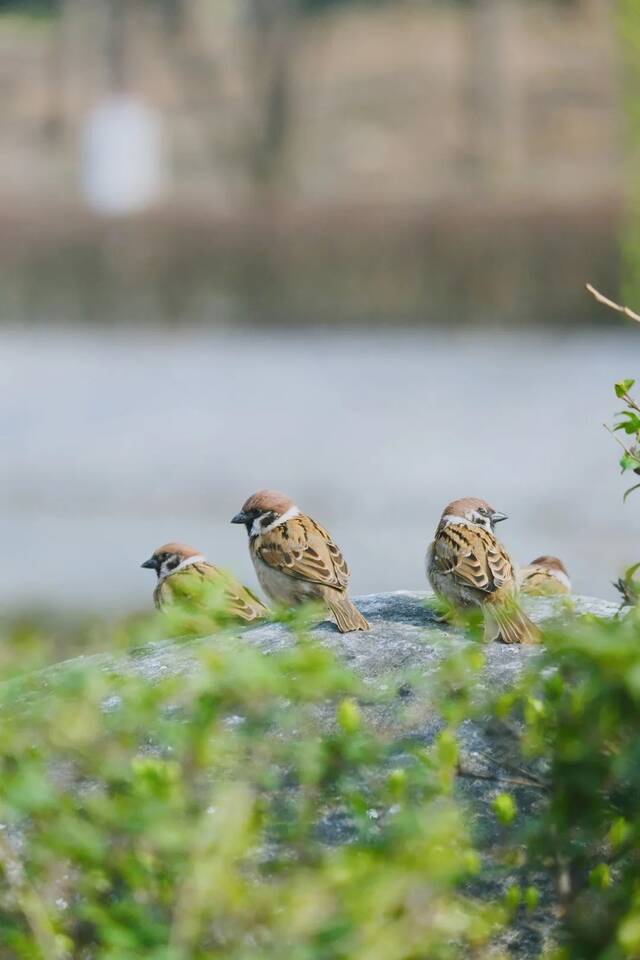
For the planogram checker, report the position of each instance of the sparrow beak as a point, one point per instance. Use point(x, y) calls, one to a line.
point(150, 564)
point(497, 517)
point(240, 518)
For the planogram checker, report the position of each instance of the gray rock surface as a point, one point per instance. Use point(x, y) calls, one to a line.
point(405, 636)
point(401, 652)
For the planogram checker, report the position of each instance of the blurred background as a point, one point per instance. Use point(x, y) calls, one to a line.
point(333, 247)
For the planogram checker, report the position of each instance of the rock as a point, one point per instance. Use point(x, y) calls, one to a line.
point(405, 636)
point(405, 646)
point(398, 658)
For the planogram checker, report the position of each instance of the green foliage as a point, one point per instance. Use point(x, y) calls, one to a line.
point(629, 585)
point(251, 807)
point(623, 387)
point(581, 706)
point(505, 807)
point(628, 423)
point(188, 817)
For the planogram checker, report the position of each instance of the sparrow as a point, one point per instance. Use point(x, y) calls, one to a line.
point(544, 576)
point(467, 565)
point(296, 559)
point(184, 574)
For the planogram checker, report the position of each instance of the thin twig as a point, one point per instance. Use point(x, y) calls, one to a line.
point(494, 778)
point(628, 399)
point(600, 297)
point(512, 766)
point(616, 438)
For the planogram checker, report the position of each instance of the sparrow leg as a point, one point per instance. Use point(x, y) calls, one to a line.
point(442, 616)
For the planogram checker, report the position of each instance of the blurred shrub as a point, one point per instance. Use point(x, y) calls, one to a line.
point(197, 816)
point(581, 711)
point(251, 806)
point(628, 425)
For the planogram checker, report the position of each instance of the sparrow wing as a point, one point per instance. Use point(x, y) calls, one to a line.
point(538, 581)
point(190, 586)
point(303, 549)
point(473, 557)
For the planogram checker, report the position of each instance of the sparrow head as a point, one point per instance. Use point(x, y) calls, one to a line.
point(550, 563)
point(166, 559)
point(472, 510)
point(265, 510)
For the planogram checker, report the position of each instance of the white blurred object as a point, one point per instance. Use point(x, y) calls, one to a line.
point(123, 157)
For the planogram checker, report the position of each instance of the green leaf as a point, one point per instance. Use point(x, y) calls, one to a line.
point(349, 716)
point(632, 423)
point(600, 877)
point(398, 782)
point(505, 807)
point(629, 934)
point(622, 387)
point(628, 461)
point(447, 749)
point(531, 898)
point(513, 897)
point(619, 831)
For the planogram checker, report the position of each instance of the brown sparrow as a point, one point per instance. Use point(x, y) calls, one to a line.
point(468, 566)
point(544, 576)
point(295, 558)
point(183, 574)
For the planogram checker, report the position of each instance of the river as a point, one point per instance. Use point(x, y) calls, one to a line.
point(116, 441)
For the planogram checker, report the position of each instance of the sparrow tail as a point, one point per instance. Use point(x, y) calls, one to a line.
point(509, 624)
point(348, 617)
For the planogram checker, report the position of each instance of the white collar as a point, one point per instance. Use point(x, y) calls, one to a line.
point(187, 562)
point(561, 576)
point(287, 515)
point(451, 518)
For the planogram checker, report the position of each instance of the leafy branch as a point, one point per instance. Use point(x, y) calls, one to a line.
point(629, 424)
point(629, 418)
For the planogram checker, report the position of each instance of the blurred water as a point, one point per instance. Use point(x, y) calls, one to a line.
point(115, 441)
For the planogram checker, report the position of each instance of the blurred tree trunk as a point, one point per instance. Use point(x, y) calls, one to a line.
point(496, 112)
point(271, 41)
point(628, 26)
point(55, 116)
point(174, 15)
point(115, 45)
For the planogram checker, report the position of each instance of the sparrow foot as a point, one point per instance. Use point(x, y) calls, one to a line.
point(442, 617)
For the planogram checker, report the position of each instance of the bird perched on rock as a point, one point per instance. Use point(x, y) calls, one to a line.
point(544, 576)
point(469, 567)
point(185, 575)
point(296, 559)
